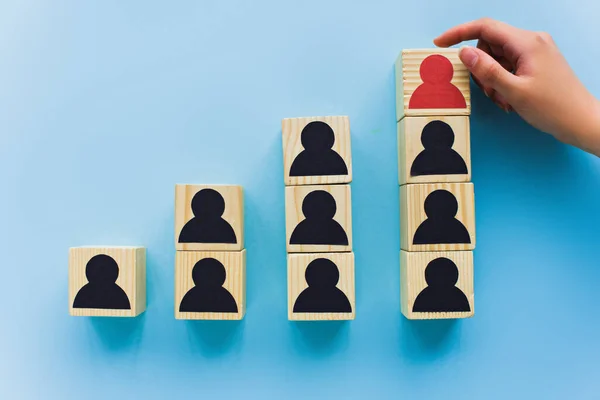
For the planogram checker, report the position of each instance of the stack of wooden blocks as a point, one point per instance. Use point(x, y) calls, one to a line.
point(437, 206)
point(317, 173)
point(210, 263)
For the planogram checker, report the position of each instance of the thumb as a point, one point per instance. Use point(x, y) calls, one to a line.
point(487, 70)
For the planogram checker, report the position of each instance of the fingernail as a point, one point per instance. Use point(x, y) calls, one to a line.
point(468, 56)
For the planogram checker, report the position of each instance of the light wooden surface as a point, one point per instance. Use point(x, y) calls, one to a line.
point(297, 264)
point(291, 129)
point(132, 278)
point(235, 282)
point(294, 196)
point(412, 281)
point(408, 79)
point(410, 146)
point(412, 214)
point(234, 215)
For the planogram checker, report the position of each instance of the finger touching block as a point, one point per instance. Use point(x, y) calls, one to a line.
point(209, 217)
point(318, 218)
point(436, 285)
point(316, 150)
point(431, 82)
point(107, 281)
point(437, 216)
point(321, 287)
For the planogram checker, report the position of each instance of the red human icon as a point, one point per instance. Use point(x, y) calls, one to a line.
point(437, 90)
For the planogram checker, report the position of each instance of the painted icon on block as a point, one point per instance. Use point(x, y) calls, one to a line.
point(102, 290)
point(318, 218)
point(107, 281)
point(431, 82)
point(433, 149)
point(436, 284)
point(316, 150)
point(438, 216)
point(321, 286)
point(208, 217)
point(210, 285)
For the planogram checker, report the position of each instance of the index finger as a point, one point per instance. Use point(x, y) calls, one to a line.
point(492, 31)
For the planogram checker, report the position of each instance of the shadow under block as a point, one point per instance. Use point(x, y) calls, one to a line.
point(316, 150)
point(330, 296)
point(434, 149)
point(440, 281)
point(209, 280)
point(446, 88)
point(107, 281)
point(318, 219)
point(209, 217)
point(437, 216)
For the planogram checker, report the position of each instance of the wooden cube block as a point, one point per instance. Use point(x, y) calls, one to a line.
point(321, 287)
point(318, 218)
point(436, 285)
point(209, 217)
point(431, 82)
point(437, 216)
point(316, 150)
point(210, 285)
point(107, 281)
point(434, 149)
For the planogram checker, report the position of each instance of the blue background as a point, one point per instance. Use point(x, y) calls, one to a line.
point(104, 106)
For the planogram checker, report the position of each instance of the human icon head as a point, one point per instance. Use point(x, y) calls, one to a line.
point(436, 69)
point(319, 205)
point(208, 203)
point(208, 272)
point(441, 204)
point(102, 269)
point(317, 136)
point(441, 272)
point(437, 135)
point(322, 273)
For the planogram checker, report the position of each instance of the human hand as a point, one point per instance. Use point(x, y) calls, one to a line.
point(525, 71)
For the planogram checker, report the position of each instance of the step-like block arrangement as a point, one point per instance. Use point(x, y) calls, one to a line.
point(321, 286)
point(210, 285)
point(317, 171)
point(431, 82)
point(316, 150)
point(318, 218)
point(107, 281)
point(437, 204)
point(210, 262)
point(436, 284)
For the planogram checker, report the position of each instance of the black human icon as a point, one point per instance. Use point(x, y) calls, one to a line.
point(322, 295)
point(207, 225)
point(208, 293)
point(441, 294)
point(438, 156)
point(318, 156)
point(319, 227)
point(102, 291)
point(441, 226)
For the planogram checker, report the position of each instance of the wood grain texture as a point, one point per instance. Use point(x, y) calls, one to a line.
point(234, 215)
point(408, 79)
point(291, 129)
point(132, 278)
point(297, 264)
point(412, 214)
point(294, 196)
point(412, 281)
point(235, 282)
point(409, 147)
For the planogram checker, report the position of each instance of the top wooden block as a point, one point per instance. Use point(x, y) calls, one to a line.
point(431, 82)
point(209, 217)
point(316, 150)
